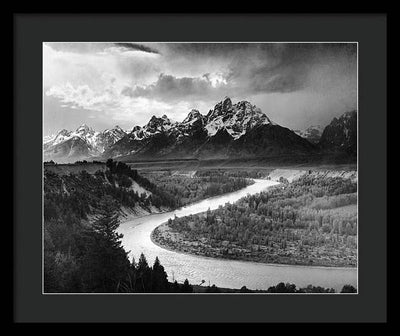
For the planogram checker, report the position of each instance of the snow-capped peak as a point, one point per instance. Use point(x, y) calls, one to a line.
point(236, 119)
point(115, 130)
point(192, 117)
point(96, 141)
point(157, 124)
point(84, 129)
point(166, 119)
point(154, 126)
point(116, 127)
point(61, 136)
point(48, 138)
point(227, 103)
point(63, 132)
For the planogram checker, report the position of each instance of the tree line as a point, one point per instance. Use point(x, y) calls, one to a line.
point(203, 184)
point(283, 288)
point(306, 221)
point(72, 197)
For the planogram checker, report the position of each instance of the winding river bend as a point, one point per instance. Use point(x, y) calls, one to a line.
point(224, 273)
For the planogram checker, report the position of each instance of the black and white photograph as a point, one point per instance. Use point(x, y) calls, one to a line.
point(200, 168)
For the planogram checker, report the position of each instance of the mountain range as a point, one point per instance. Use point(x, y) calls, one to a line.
point(84, 142)
point(341, 134)
point(227, 131)
point(312, 133)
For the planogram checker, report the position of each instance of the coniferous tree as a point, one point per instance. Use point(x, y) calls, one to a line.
point(105, 264)
point(175, 287)
point(186, 287)
point(143, 275)
point(159, 278)
point(213, 289)
point(348, 289)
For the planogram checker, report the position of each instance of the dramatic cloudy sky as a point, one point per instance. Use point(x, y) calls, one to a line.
point(108, 84)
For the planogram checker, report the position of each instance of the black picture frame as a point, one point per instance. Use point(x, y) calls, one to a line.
point(30, 30)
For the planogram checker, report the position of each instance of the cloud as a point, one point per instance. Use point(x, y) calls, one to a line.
point(81, 96)
point(86, 48)
point(135, 46)
point(112, 105)
point(289, 67)
point(245, 69)
point(171, 88)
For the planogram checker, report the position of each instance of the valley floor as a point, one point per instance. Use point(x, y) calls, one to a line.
point(324, 244)
point(317, 162)
point(165, 237)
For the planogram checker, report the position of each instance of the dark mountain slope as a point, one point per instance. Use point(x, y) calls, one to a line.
point(341, 135)
point(272, 139)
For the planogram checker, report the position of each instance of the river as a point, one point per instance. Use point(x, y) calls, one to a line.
point(224, 273)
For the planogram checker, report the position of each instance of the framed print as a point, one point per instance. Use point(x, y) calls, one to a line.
point(200, 174)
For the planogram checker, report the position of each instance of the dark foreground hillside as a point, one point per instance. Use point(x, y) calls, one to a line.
point(82, 249)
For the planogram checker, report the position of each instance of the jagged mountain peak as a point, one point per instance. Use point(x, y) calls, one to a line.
point(84, 128)
point(237, 118)
point(341, 134)
point(116, 130)
point(57, 137)
point(164, 117)
point(222, 108)
point(135, 128)
point(227, 103)
point(348, 115)
point(153, 118)
point(154, 126)
point(192, 116)
point(63, 132)
point(156, 123)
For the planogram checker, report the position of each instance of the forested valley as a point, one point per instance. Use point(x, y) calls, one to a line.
point(194, 186)
point(311, 221)
point(82, 249)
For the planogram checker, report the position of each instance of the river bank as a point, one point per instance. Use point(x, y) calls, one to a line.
point(264, 235)
point(164, 237)
point(224, 273)
point(217, 257)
